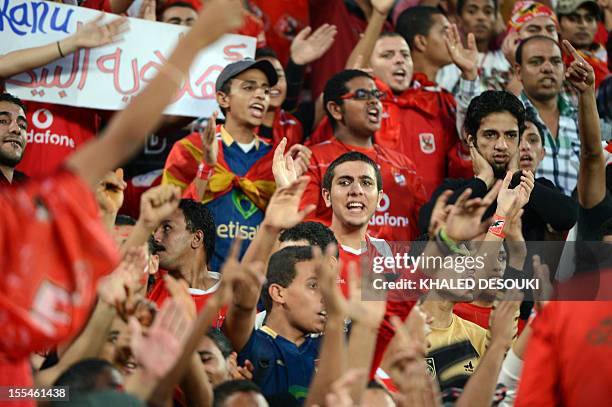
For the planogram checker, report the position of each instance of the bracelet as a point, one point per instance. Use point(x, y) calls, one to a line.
point(205, 172)
point(452, 246)
point(60, 50)
point(497, 227)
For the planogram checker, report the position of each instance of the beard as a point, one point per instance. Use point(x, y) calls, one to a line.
point(9, 161)
point(499, 170)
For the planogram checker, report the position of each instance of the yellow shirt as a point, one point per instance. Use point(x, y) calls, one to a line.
point(453, 352)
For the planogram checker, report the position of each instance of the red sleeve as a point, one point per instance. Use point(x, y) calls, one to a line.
point(539, 384)
point(459, 162)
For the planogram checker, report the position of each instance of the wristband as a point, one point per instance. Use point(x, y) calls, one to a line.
point(205, 172)
point(451, 246)
point(60, 50)
point(497, 227)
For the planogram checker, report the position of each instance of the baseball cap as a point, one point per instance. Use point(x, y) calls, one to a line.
point(236, 68)
point(569, 6)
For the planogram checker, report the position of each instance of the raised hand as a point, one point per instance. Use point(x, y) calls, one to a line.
point(160, 349)
point(466, 59)
point(246, 278)
point(464, 219)
point(307, 47)
point(210, 146)
point(580, 73)
point(502, 322)
point(158, 203)
point(147, 10)
point(95, 34)
point(117, 288)
point(440, 212)
point(510, 201)
point(482, 168)
point(283, 209)
point(283, 166)
point(301, 158)
point(382, 6)
point(221, 16)
point(240, 372)
point(367, 313)
point(326, 269)
point(509, 46)
point(109, 192)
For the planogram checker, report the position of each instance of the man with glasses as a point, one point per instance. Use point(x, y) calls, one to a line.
point(353, 106)
point(227, 167)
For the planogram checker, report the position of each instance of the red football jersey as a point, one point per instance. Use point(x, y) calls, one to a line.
point(159, 294)
point(55, 132)
point(570, 340)
point(403, 193)
point(55, 250)
point(420, 124)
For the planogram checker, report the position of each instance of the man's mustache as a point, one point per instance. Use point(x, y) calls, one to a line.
point(154, 246)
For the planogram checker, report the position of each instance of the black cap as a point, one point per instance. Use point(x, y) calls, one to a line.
point(236, 68)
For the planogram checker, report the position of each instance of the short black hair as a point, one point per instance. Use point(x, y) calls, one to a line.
point(221, 341)
point(592, 7)
point(416, 21)
point(226, 389)
point(265, 52)
point(82, 376)
point(461, 4)
point(171, 4)
point(489, 102)
point(281, 270)
point(198, 217)
point(389, 34)
point(315, 233)
point(7, 97)
point(518, 56)
point(335, 88)
point(124, 220)
point(346, 157)
point(531, 116)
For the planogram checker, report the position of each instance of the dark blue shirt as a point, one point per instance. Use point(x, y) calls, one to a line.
point(280, 366)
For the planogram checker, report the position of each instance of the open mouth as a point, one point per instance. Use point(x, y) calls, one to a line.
point(355, 207)
point(274, 93)
point(323, 315)
point(526, 159)
point(374, 114)
point(548, 81)
point(257, 110)
point(400, 74)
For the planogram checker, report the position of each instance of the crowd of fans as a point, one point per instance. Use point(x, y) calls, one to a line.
point(226, 260)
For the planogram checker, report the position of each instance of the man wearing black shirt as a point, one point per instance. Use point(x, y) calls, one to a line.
point(496, 150)
point(13, 140)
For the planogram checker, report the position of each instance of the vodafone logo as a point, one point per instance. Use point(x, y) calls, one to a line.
point(384, 204)
point(42, 118)
point(383, 218)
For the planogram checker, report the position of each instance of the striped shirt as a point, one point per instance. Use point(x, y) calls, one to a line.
point(562, 159)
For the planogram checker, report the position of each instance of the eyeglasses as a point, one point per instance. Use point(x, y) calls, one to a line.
point(364, 94)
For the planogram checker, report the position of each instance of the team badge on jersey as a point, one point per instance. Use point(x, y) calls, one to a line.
point(431, 367)
point(399, 178)
point(428, 143)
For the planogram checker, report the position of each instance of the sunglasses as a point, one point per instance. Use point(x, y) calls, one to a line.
point(364, 94)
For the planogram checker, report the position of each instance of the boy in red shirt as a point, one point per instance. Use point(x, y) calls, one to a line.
point(353, 106)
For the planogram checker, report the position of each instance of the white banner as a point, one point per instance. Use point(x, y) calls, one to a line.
point(108, 77)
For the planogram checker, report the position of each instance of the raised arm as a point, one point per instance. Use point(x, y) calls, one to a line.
point(592, 172)
point(127, 131)
point(365, 46)
point(282, 213)
point(91, 35)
